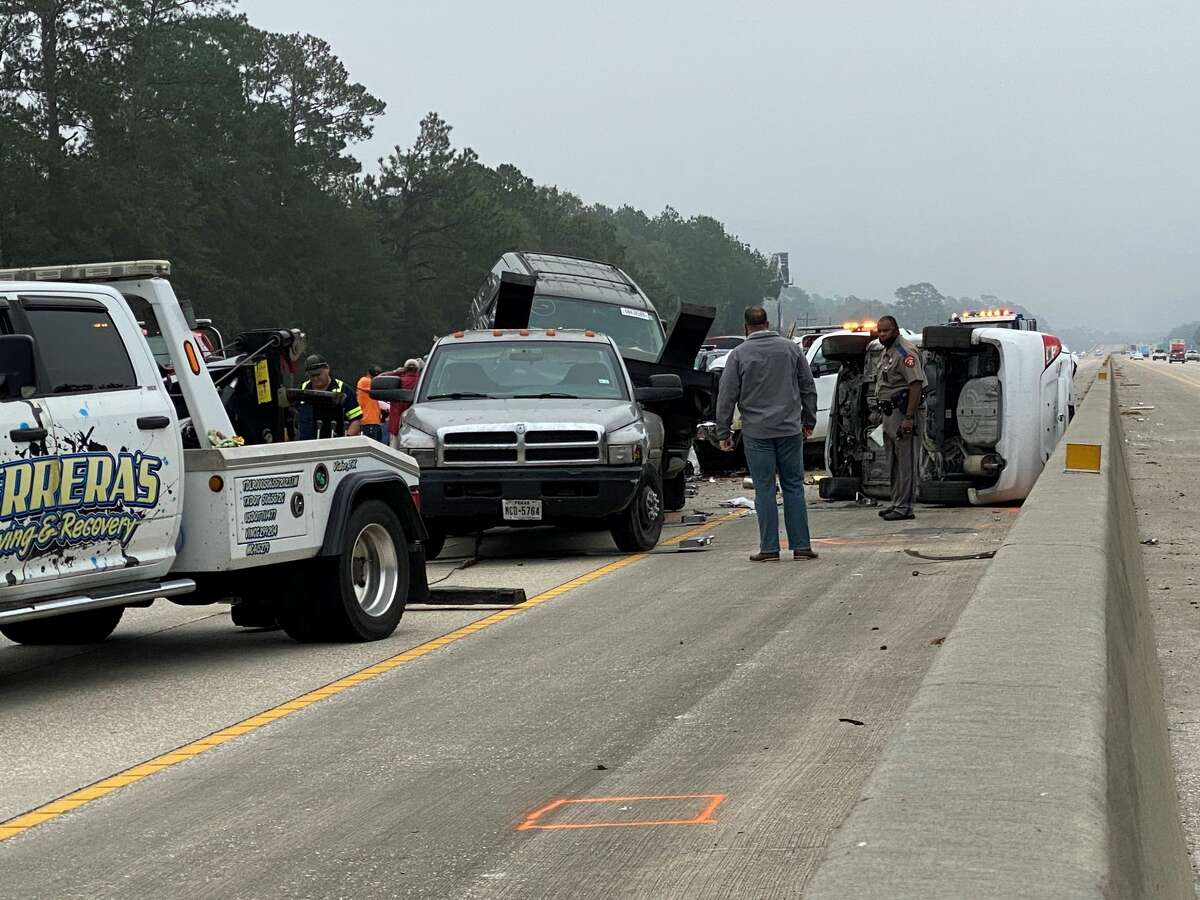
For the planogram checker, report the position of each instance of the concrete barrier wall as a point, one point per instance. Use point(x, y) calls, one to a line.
point(1033, 761)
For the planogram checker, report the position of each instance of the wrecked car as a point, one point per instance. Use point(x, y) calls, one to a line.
point(541, 290)
point(998, 400)
point(522, 427)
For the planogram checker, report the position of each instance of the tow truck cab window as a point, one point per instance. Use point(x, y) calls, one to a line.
point(79, 346)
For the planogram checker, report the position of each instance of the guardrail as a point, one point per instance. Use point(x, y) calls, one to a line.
point(1034, 760)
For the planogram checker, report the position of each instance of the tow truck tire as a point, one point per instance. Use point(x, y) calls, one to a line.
point(358, 595)
point(675, 492)
point(638, 527)
point(89, 627)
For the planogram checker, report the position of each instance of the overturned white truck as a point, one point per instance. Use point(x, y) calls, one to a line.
point(998, 400)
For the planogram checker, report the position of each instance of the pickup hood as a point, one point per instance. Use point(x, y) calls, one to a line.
point(432, 416)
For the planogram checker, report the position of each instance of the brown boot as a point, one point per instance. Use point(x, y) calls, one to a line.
point(760, 556)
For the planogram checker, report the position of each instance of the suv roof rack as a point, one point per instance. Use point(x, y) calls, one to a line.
point(107, 271)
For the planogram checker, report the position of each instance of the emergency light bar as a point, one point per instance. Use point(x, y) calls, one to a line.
point(866, 326)
point(989, 314)
point(109, 271)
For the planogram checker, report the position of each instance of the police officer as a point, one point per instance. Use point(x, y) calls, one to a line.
point(898, 389)
point(322, 420)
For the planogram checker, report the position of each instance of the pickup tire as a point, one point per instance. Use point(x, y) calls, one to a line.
point(359, 594)
point(88, 627)
point(638, 527)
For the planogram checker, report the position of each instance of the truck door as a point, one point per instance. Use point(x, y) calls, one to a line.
point(25, 425)
point(825, 374)
point(113, 501)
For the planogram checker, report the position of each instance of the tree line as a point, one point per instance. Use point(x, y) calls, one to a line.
point(159, 128)
point(177, 129)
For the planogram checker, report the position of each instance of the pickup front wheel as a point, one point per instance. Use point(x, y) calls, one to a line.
point(639, 526)
point(358, 595)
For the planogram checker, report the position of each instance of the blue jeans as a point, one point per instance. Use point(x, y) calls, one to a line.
point(784, 456)
point(374, 432)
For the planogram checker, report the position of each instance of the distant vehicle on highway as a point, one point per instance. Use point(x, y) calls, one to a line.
point(1177, 352)
point(1159, 355)
point(998, 400)
point(1138, 355)
point(535, 426)
point(1193, 356)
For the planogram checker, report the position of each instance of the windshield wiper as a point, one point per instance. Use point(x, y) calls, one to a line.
point(461, 395)
point(547, 396)
point(73, 388)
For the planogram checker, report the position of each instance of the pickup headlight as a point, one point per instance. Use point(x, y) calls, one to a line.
point(420, 446)
point(627, 444)
point(624, 454)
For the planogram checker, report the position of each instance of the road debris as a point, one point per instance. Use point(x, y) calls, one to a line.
point(737, 503)
point(694, 518)
point(937, 642)
point(1150, 542)
point(702, 542)
point(852, 721)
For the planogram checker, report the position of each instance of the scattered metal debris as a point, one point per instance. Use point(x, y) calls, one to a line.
point(986, 554)
point(703, 542)
point(694, 518)
point(456, 596)
point(737, 503)
point(1150, 542)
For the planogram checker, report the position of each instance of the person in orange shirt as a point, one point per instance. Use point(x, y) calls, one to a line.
point(372, 421)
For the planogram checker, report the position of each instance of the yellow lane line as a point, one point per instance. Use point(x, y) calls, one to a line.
point(18, 824)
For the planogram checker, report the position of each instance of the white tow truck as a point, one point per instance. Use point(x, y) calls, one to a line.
point(102, 508)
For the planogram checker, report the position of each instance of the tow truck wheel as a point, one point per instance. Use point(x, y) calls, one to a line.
point(358, 595)
point(638, 528)
point(89, 627)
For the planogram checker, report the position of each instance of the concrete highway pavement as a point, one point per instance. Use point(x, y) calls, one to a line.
point(70, 716)
point(731, 692)
point(1161, 409)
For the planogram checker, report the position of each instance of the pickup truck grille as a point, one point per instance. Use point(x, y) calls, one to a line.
point(509, 445)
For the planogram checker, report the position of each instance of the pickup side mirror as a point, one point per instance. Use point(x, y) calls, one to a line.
point(387, 387)
point(17, 370)
point(663, 389)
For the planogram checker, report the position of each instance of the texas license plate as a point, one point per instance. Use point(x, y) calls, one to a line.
point(522, 510)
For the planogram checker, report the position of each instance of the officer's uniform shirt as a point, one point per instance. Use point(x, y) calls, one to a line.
point(899, 367)
point(323, 420)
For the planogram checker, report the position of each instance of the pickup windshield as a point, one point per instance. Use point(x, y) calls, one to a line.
point(505, 370)
point(637, 332)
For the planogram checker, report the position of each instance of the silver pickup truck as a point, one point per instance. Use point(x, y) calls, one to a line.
point(524, 427)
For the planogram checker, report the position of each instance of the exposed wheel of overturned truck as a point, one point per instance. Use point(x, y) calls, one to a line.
point(638, 527)
point(358, 595)
point(88, 627)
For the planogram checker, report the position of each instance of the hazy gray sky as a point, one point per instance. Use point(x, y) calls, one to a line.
point(1047, 152)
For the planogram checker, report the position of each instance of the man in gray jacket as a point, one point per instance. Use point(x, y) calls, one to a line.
point(769, 380)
